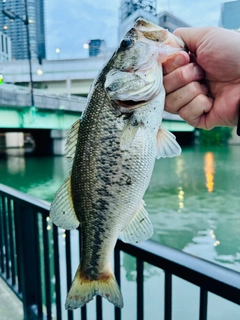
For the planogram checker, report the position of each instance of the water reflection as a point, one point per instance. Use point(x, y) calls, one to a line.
point(40, 177)
point(209, 170)
point(204, 185)
point(181, 174)
point(181, 199)
point(15, 161)
point(201, 184)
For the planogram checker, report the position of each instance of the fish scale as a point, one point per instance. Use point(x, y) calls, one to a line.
point(111, 154)
point(106, 182)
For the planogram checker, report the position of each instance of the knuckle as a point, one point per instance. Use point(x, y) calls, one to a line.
point(186, 73)
point(183, 74)
point(183, 112)
point(194, 88)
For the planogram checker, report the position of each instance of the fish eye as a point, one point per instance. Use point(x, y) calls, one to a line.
point(126, 43)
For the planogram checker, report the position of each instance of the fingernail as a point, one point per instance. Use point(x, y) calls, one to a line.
point(198, 70)
point(179, 60)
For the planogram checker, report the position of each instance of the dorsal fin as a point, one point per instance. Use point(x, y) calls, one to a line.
point(71, 142)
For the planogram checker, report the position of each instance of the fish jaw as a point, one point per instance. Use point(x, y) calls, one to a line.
point(156, 33)
point(136, 76)
point(168, 44)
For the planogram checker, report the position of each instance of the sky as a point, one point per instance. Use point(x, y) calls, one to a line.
point(71, 23)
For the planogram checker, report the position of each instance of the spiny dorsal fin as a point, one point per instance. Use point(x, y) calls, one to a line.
point(167, 145)
point(71, 142)
point(62, 212)
point(140, 227)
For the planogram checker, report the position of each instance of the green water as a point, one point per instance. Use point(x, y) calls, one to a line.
point(194, 204)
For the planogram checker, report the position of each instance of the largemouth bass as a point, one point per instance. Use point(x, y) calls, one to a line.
point(111, 156)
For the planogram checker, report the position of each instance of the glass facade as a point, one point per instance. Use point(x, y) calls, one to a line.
point(129, 6)
point(16, 29)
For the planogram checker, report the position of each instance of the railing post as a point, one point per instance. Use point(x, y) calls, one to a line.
point(2, 243)
point(26, 238)
point(203, 304)
point(168, 296)
point(140, 290)
point(117, 271)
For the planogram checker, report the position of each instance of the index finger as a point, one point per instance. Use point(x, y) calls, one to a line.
point(178, 60)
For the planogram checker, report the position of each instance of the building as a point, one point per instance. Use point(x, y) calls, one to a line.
point(16, 29)
point(130, 10)
point(170, 22)
point(96, 47)
point(5, 47)
point(230, 15)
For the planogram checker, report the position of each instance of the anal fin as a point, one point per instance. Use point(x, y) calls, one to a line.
point(62, 211)
point(140, 227)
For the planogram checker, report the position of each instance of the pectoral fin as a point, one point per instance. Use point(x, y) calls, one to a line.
point(167, 145)
point(62, 211)
point(140, 227)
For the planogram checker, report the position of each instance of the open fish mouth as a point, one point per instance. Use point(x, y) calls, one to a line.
point(130, 103)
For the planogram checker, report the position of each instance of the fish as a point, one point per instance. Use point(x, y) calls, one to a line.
point(111, 153)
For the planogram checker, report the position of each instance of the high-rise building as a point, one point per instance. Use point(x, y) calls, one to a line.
point(230, 13)
point(130, 10)
point(16, 29)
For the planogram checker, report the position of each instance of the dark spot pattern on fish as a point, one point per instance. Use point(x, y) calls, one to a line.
point(101, 172)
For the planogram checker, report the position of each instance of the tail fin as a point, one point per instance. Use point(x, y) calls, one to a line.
point(83, 290)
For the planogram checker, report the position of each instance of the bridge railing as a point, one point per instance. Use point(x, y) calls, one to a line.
point(39, 271)
point(17, 96)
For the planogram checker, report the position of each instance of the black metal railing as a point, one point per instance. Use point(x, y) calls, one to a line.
point(38, 267)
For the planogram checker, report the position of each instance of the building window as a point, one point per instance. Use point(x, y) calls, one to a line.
point(6, 41)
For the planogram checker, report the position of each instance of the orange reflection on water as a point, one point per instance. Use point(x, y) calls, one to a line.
point(209, 170)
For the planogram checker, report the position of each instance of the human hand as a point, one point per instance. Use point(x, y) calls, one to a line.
point(214, 102)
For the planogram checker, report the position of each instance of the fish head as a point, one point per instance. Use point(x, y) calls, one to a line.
point(135, 74)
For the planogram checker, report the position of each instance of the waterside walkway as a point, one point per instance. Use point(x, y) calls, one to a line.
point(11, 307)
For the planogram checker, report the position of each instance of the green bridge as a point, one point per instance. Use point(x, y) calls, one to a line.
point(50, 111)
point(52, 115)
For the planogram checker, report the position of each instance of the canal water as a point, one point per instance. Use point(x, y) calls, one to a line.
point(194, 204)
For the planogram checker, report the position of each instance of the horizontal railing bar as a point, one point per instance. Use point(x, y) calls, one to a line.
point(23, 197)
point(212, 277)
